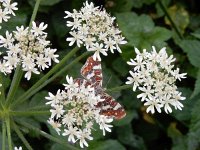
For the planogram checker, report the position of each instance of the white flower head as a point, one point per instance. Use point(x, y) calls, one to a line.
point(154, 76)
point(94, 28)
point(28, 47)
point(7, 10)
point(74, 111)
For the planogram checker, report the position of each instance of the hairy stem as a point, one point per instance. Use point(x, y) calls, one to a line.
point(48, 136)
point(119, 88)
point(14, 85)
point(20, 135)
point(29, 113)
point(2, 93)
point(7, 119)
point(3, 135)
point(36, 7)
point(170, 19)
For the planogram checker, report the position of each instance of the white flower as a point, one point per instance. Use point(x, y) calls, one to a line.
point(93, 27)
point(75, 109)
point(82, 136)
point(29, 48)
point(135, 79)
point(38, 30)
point(155, 77)
point(98, 49)
point(72, 133)
point(57, 111)
point(55, 125)
point(7, 9)
point(15, 148)
point(6, 42)
point(76, 38)
point(103, 120)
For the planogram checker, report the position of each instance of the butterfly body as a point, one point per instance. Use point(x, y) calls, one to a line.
point(92, 73)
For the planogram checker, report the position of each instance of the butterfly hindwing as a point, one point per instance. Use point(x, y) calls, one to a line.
point(110, 107)
point(91, 71)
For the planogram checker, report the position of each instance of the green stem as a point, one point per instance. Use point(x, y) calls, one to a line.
point(3, 135)
point(29, 113)
point(14, 85)
point(2, 93)
point(119, 88)
point(170, 19)
point(35, 88)
point(48, 136)
point(18, 73)
point(9, 133)
point(34, 12)
point(44, 107)
point(21, 136)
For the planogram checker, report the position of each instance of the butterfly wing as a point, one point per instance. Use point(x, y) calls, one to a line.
point(109, 107)
point(92, 71)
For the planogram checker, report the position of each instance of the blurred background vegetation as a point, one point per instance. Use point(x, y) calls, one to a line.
point(171, 23)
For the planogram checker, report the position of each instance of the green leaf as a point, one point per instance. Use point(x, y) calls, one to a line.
point(18, 20)
point(178, 140)
point(197, 35)
point(59, 24)
point(197, 85)
point(194, 22)
point(58, 147)
point(179, 16)
point(120, 66)
point(49, 2)
point(106, 145)
point(130, 115)
point(141, 32)
point(191, 47)
point(119, 5)
point(126, 136)
point(38, 99)
point(193, 140)
point(159, 10)
point(185, 114)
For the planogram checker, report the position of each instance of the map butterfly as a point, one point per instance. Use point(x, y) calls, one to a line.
point(92, 73)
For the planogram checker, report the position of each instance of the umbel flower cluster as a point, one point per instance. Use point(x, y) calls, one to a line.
point(74, 112)
point(6, 10)
point(154, 76)
point(95, 29)
point(29, 48)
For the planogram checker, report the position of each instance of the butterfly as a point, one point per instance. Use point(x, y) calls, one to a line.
point(92, 74)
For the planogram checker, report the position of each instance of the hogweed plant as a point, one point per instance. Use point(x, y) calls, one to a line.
point(83, 105)
point(154, 75)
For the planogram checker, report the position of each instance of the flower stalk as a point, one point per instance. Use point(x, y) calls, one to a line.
point(20, 135)
point(48, 136)
point(3, 135)
point(37, 4)
point(7, 119)
point(28, 113)
point(14, 85)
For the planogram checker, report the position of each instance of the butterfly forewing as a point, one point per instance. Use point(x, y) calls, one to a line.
point(92, 72)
